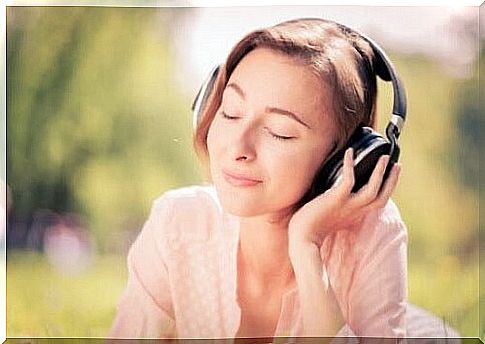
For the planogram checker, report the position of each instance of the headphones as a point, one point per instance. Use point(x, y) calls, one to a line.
point(367, 144)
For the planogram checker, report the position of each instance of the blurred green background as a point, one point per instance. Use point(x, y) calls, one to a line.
point(98, 127)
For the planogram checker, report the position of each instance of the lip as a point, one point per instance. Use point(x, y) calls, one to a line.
point(239, 179)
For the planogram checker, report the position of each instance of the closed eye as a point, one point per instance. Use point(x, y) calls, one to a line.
point(225, 115)
point(279, 137)
point(282, 137)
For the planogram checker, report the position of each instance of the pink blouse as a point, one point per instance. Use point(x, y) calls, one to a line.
point(182, 274)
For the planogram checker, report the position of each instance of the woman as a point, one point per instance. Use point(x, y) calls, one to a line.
point(243, 257)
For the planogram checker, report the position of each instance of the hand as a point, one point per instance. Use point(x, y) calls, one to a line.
point(338, 208)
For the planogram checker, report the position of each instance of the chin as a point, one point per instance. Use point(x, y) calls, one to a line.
point(246, 203)
point(236, 204)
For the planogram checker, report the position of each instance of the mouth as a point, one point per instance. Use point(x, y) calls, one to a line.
point(239, 180)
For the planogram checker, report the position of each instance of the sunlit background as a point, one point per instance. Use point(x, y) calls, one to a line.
point(99, 125)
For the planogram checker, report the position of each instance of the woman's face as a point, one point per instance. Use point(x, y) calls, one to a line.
point(274, 126)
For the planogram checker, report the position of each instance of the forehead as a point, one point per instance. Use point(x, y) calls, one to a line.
point(270, 78)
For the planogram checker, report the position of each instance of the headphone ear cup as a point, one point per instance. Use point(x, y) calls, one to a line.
point(368, 147)
point(203, 95)
point(366, 161)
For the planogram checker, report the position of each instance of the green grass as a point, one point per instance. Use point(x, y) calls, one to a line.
point(41, 301)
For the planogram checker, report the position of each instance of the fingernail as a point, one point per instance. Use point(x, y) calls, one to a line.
point(351, 153)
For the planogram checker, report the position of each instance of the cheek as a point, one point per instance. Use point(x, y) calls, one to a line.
point(295, 170)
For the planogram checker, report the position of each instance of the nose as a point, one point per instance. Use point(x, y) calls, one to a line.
point(243, 145)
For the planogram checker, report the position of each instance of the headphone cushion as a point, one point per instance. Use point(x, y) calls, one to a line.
point(368, 147)
point(366, 161)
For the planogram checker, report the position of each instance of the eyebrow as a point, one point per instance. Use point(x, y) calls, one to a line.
point(279, 111)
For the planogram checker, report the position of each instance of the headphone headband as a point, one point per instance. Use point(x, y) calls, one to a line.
point(386, 71)
point(203, 95)
point(389, 73)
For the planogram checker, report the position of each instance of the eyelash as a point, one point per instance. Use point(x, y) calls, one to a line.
point(282, 138)
point(278, 137)
point(228, 117)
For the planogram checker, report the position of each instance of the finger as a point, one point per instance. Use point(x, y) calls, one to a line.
point(348, 178)
point(369, 191)
point(388, 188)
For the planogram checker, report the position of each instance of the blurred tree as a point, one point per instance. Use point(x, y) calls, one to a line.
point(95, 122)
point(470, 125)
point(469, 119)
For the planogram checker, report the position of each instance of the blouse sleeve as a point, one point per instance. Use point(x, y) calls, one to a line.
point(145, 308)
point(378, 294)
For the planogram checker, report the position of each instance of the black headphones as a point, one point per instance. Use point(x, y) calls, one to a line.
point(367, 144)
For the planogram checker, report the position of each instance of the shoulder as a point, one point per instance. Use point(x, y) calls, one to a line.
point(187, 213)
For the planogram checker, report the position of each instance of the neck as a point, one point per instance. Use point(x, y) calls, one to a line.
point(264, 257)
